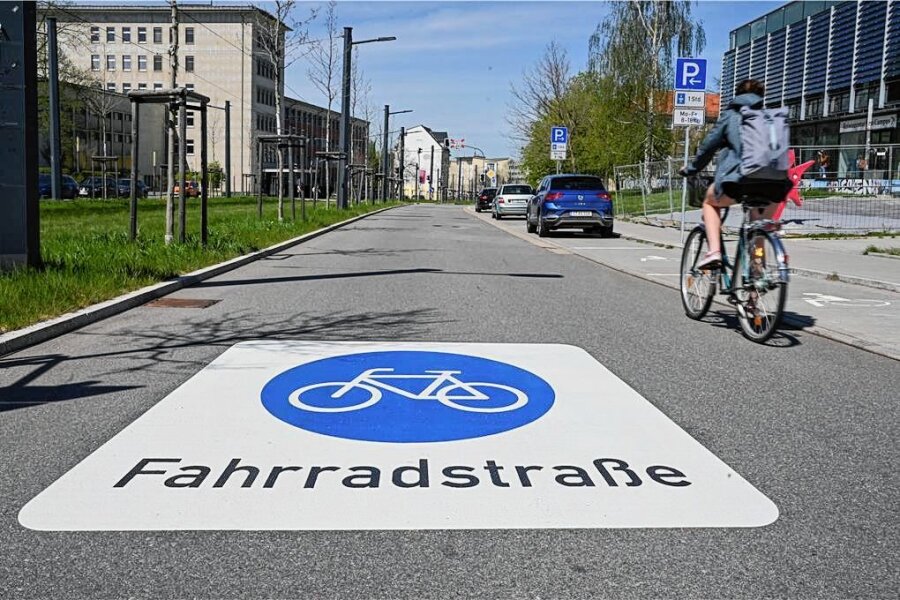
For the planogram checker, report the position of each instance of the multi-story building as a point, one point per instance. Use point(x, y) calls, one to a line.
point(425, 163)
point(469, 174)
point(126, 47)
point(836, 66)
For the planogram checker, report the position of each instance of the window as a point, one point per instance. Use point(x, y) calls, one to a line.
point(189, 64)
point(110, 34)
point(110, 86)
point(126, 62)
point(126, 34)
point(95, 35)
point(142, 86)
point(157, 62)
point(188, 35)
point(142, 62)
point(862, 98)
point(189, 118)
point(758, 28)
point(813, 107)
point(126, 87)
point(157, 35)
point(157, 85)
point(793, 13)
point(189, 146)
point(142, 35)
point(95, 62)
point(110, 62)
point(839, 103)
point(775, 21)
point(893, 92)
point(743, 35)
point(793, 111)
point(189, 86)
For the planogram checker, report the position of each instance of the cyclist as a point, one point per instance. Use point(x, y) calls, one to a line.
point(725, 136)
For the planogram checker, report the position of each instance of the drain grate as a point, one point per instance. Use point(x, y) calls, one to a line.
point(181, 303)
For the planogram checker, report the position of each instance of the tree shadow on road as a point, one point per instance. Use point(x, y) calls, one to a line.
point(177, 348)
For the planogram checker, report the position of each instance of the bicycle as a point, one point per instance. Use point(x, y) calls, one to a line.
point(372, 381)
point(755, 282)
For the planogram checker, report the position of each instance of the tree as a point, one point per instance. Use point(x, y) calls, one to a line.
point(280, 41)
point(360, 89)
point(635, 46)
point(323, 73)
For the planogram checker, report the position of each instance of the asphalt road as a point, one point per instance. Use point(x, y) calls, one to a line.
point(809, 422)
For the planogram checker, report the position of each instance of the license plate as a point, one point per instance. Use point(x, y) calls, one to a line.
point(581, 213)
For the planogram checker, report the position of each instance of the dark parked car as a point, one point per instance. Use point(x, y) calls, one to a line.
point(570, 202)
point(485, 199)
point(92, 187)
point(68, 187)
point(124, 188)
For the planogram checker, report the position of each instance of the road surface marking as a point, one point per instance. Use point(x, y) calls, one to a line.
point(820, 300)
point(383, 436)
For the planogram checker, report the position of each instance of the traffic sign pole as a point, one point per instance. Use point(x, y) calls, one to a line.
point(687, 141)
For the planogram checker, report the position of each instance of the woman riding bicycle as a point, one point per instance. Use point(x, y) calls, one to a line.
point(725, 136)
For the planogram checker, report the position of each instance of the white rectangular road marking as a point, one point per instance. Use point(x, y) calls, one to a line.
point(288, 436)
point(608, 248)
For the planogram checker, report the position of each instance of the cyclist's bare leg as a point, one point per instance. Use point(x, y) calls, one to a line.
point(712, 218)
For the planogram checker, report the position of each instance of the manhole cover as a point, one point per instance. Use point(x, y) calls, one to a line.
point(181, 303)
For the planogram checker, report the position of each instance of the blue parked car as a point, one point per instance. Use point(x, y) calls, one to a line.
point(68, 187)
point(570, 202)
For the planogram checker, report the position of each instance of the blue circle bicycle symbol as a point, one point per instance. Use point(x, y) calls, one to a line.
point(407, 396)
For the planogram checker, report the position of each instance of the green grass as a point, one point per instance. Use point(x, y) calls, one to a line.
point(88, 257)
point(629, 202)
point(890, 250)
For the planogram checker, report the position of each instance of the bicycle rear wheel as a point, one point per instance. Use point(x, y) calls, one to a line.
point(760, 289)
point(697, 287)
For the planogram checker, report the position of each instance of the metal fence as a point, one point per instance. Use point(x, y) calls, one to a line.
point(848, 189)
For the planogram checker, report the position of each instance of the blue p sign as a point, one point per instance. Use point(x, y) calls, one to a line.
point(559, 135)
point(690, 74)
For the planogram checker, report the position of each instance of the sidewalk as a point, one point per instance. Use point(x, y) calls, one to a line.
point(831, 259)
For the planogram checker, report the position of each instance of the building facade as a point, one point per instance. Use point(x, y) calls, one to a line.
point(469, 174)
point(425, 163)
point(836, 66)
point(126, 48)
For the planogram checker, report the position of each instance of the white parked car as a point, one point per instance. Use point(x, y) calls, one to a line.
point(511, 199)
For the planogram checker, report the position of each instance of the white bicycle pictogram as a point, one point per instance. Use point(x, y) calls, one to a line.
point(372, 381)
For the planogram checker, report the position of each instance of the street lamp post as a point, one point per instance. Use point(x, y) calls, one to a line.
point(343, 180)
point(385, 167)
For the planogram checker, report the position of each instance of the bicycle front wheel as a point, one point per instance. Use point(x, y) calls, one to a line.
point(508, 398)
point(760, 289)
point(697, 287)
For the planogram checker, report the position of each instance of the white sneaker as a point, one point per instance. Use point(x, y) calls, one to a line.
point(709, 260)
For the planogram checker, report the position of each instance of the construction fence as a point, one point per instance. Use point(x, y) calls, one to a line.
point(850, 189)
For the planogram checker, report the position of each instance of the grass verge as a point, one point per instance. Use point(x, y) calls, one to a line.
point(88, 257)
point(889, 250)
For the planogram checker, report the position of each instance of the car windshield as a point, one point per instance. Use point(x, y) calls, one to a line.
point(489, 192)
point(516, 189)
point(577, 183)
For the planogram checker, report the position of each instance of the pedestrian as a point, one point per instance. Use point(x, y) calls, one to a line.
point(824, 163)
point(862, 165)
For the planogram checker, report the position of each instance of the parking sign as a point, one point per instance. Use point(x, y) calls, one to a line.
point(559, 135)
point(690, 74)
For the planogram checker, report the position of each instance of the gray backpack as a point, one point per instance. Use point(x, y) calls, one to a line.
point(765, 138)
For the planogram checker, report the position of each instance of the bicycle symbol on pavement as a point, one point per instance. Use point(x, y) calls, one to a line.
point(373, 382)
point(407, 396)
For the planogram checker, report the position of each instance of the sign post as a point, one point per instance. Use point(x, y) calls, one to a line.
point(559, 144)
point(689, 109)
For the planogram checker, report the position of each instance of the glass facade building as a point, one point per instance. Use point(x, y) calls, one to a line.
point(832, 64)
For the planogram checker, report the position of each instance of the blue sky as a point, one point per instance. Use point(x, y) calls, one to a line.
point(454, 61)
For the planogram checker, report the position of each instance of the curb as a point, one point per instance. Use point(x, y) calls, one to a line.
point(45, 330)
point(834, 336)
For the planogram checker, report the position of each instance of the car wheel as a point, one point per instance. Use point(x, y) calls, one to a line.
point(477, 209)
point(606, 232)
point(493, 215)
point(529, 226)
point(543, 230)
